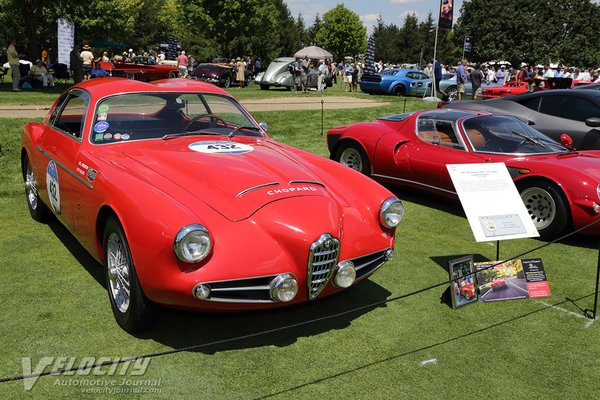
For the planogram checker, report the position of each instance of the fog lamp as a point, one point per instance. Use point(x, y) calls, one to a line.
point(344, 274)
point(283, 288)
point(201, 291)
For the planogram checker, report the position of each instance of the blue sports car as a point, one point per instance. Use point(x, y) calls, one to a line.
point(398, 82)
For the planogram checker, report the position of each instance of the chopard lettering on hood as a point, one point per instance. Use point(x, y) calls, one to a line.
point(291, 190)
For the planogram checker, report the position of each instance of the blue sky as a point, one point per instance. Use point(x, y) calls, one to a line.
point(392, 11)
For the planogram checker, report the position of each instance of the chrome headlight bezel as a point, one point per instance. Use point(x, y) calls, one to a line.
point(189, 251)
point(281, 282)
point(391, 212)
point(598, 191)
point(344, 275)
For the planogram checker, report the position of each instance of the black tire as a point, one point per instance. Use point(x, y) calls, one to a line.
point(398, 91)
point(467, 296)
point(452, 93)
point(227, 82)
point(264, 87)
point(173, 75)
point(546, 206)
point(133, 312)
point(353, 156)
point(38, 210)
point(130, 76)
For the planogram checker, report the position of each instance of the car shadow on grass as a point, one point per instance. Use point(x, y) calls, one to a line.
point(93, 267)
point(210, 333)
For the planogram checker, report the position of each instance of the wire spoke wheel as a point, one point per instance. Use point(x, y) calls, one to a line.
point(118, 272)
point(31, 187)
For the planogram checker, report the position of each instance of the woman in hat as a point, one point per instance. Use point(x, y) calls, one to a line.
point(241, 71)
point(87, 58)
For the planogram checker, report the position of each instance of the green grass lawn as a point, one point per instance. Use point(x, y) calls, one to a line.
point(53, 303)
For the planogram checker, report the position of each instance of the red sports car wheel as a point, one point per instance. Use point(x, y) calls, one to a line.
point(37, 208)
point(353, 156)
point(132, 310)
point(545, 206)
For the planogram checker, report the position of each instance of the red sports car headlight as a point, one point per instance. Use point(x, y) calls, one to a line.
point(391, 212)
point(192, 243)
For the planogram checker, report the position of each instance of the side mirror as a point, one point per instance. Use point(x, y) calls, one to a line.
point(264, 126)
point(593, 122)
point(566, 141)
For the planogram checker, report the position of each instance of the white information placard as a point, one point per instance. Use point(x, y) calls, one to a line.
point(491, 202)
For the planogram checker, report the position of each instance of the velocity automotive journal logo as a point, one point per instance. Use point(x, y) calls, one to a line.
point(94, 375)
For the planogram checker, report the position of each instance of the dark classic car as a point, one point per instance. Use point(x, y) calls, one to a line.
point(553, 112)
point(218, 74)
point(141, 69)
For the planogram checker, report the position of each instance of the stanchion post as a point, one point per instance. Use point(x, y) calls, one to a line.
point(497, 250)
point(404, 105)
point(322, 116)
point(595, 311)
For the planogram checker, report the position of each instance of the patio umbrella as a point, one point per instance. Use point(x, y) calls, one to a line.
point(313, 52)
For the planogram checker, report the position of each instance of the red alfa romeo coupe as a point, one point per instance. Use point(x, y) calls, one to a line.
point(183, 197)
point(560, 187)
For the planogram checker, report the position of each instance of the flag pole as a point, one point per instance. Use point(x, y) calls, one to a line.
point(433, 96)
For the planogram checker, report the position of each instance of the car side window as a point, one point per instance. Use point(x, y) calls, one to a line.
point(438, 133)
point(71, 119)
point(569, 107)
point(532, 103)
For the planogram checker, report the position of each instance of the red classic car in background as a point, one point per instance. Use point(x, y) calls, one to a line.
point(511, 88)
point(498, 283)
point(141, 69)
point(186, 201)
point(559, 187)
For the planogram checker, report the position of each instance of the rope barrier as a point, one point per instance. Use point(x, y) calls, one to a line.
point(286, 327)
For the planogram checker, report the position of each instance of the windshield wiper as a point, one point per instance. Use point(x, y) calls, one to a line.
point(188, 133)
point(239, 128)
point(529, 138)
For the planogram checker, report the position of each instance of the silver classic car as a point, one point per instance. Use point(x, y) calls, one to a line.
point(278, 74)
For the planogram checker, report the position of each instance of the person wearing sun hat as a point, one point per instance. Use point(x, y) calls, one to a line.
point(87, 58)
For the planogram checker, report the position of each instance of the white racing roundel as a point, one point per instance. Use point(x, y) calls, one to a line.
point(52, 186)
point(220, 147)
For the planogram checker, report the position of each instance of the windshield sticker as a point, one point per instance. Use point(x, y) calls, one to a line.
point(108, 136)
point(52, 186)
point(101, 126)
point(103, 108)
point(220, 147)
point(125, 136)
point(98, 137)
point(117, 136)
point(102, 116)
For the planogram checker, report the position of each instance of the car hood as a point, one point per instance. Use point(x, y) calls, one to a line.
point(569, 164)
point(235, 177)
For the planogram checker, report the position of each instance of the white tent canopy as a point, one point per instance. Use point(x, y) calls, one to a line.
point(313, 52)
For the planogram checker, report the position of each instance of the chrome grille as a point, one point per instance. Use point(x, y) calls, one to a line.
point(322, 260)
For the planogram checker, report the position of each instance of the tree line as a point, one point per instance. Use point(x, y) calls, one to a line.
point(536, 31)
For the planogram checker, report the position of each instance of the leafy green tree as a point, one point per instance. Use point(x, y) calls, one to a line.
point(411, 46)
point(312, 31)
point(300, 28)
point(288, 39)
point(386, 41)
point(342, 33)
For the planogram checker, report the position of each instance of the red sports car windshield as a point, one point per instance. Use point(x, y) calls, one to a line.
point(506, 135)
point(138, 116)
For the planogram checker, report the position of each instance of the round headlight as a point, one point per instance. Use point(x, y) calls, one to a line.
point(283, 288)
point(391, 212)
point(192, 243)
point(598, 191)
point(344, 275)
point(201, 291)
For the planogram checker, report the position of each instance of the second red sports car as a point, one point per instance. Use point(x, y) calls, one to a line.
point(560, 187)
